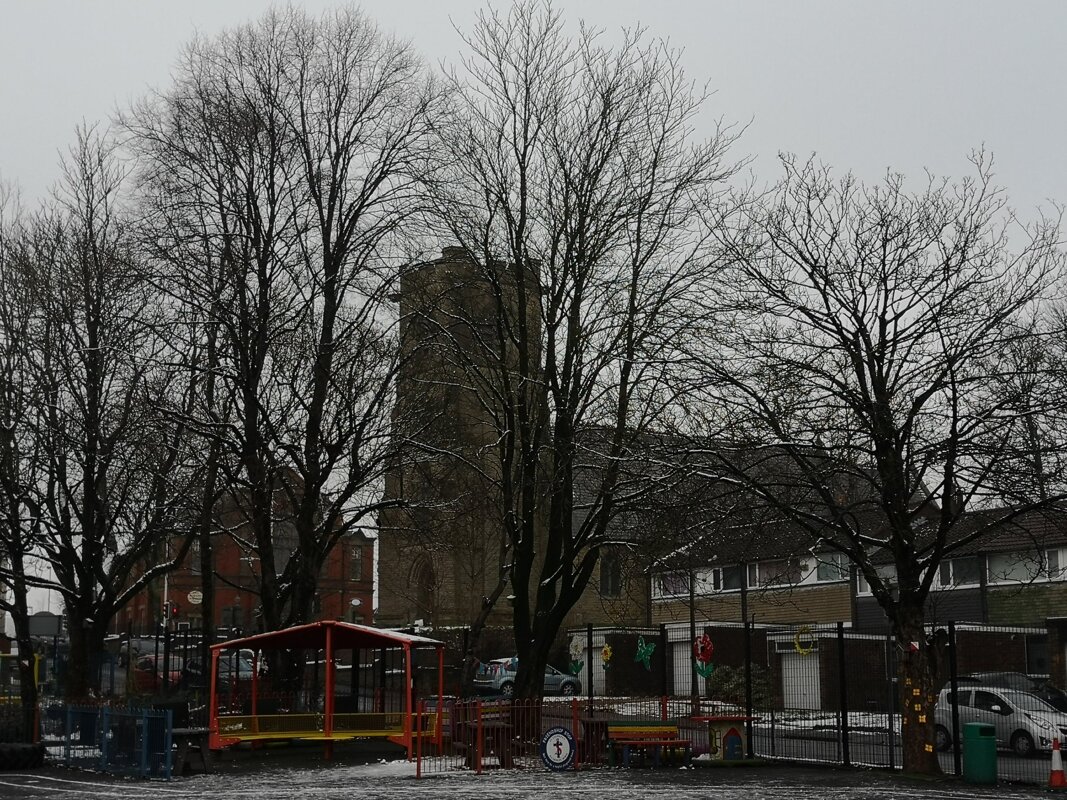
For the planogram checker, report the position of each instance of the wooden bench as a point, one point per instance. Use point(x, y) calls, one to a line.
point(641, 736)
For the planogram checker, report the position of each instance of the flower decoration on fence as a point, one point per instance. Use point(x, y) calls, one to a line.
point(577, 650)
point(605, 656)
point(644, 652)
point(703, 650)
point(804, 640)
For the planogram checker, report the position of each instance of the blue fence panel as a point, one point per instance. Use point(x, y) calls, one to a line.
point(122, 741)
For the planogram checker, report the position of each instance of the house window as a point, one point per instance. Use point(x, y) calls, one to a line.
point(954, 572)
point(671, 584)
point(194, 557)
point(1024, 567)
point(831, 567)
point(888, 574)
point(728, 579)
point(356, 563)
point(611, 576)
point(783, 572)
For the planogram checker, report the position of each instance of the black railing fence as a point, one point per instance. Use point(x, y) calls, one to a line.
point(823, 693)
point(804, 692)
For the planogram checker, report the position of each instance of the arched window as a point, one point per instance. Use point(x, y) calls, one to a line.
point(424, 584)
point(610, 575)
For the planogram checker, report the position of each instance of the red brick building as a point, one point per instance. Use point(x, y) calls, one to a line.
point(346, 588)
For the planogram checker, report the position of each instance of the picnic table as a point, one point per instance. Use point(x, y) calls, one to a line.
point(643, 737)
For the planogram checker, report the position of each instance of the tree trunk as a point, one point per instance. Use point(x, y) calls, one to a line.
point(207, 589)
point(918, 685)
point(86, 640)
point(27, 673)
point(474, 639)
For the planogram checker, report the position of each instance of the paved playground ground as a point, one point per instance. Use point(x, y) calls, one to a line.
point(396, 780)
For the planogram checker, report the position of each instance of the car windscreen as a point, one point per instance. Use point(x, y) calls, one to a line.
point(1030, 702)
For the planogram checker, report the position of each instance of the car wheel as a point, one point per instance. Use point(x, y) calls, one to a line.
point(1023, 744)
point(567, 689)
point(942, 741)
point(507, 689)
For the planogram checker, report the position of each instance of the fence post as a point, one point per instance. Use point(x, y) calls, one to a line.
point(748, 687)
point(479, 739)
point(843, 696)
point(892, 700)
point(67, 735)
point(144, 742)
point(102, 723)
point(168, 743)
point(419, 711)
point(953, 677)
point(589, 665)
point(577, 732)
point(665, 660)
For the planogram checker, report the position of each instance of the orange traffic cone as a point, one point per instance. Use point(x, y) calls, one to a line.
point(1056, 778)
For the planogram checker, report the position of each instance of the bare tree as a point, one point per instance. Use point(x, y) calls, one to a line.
point(287, 152)
point(864, 375)
point(572, 179)
point(21, 464)
point(113, 464)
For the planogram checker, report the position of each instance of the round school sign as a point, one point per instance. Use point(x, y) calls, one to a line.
point(558, 749)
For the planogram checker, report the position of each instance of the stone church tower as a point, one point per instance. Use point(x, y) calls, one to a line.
point(441, 555)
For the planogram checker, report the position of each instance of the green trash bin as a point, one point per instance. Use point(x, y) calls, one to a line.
point(979, 753)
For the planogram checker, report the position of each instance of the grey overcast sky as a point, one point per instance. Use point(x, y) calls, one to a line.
point(865, 85)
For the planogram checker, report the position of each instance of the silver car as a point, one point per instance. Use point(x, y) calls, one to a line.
point(1022, 721)
point(498, 677)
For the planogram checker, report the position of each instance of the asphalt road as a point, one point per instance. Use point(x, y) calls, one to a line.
point(872, 749)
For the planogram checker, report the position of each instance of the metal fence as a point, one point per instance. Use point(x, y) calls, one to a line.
point(117, 740)
point(827, 693)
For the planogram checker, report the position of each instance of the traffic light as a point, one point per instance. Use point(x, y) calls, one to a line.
point(174, 610)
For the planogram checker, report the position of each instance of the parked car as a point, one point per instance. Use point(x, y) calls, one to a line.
point(148, 673)
point(132, 649)
point(1042, 687)
point(498, 677)
point(1023, 722)
point(232, 666)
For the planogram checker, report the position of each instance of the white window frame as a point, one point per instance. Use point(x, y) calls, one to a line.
point(758, 580)
point(659, 589)
point(707, 581)
point(719, 579)
point(887, 571)
point(1052, 566)
point(837, 560)
point(954, 582)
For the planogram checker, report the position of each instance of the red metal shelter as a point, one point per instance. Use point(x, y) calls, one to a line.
point(326, 725)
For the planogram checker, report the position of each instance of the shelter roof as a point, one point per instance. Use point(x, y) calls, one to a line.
point(345, 635)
